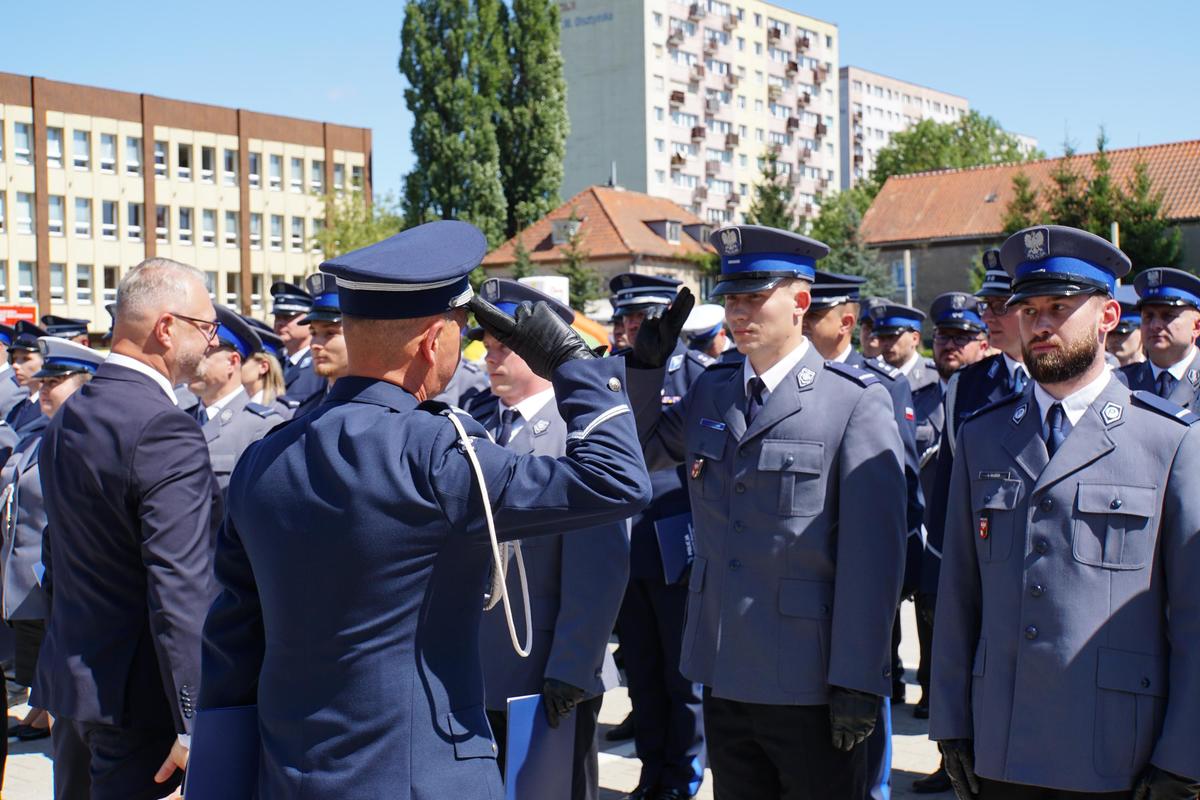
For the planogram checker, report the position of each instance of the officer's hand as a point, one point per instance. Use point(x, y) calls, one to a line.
point(559, 698)
point(535, 333)
point(657, 337)
point(176, 759)
point(1158, 784)
point(958, 756)
point(853, 714)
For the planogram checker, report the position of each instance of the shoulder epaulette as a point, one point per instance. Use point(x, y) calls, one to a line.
point(260, 410)
point(703, 359)
point(288, 401)
point(883, 368)
point(859, 376)
point(718, 364)
point(470, 366)
point(435, 407)
point(1165, 407)
point(1003, 401)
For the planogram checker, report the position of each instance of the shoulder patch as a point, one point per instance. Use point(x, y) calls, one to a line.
point(859, 376)
point(1003, 401)
point(675, 363)
point(435, 407)
point(1165, 407)
point(883, 368)
point(260, 410)
point(701, 358)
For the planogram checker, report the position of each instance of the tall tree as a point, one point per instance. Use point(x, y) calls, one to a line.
point(837, 225)
point(351, 222)
point(1103, 195)
point(773, 196)
point(452, 55)
point(1146, 236)
point(585, 283)
point(531, 120)
point(1023, 210)
point(1067, 195)
point(522, 264)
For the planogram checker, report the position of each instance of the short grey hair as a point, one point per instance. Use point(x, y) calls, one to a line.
point(153, 285)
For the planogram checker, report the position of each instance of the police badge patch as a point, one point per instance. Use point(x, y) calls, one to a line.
point(1019, 414)
point(1037, 244)
point(1111, 413)
point(1153, 278)
point(805, 377)
point(540, 427)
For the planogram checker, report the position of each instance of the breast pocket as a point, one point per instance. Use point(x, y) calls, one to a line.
point(792, 471)
point(994, 504)
point(223, 463)
point(704, 466)
point(1112, 526)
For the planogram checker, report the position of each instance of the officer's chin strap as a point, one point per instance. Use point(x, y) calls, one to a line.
point(499, 575)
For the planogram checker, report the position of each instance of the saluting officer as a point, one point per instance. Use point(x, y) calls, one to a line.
point(11, 392)
point(231, 421)
point(1125, 341)
point(289, 305)
point(327, 342)
point(796, 579)
point(1065, 653)
point(576, 580)
point(668, 724)
point(898, 329)
point(1169, 300)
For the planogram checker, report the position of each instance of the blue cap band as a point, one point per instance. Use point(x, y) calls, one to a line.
point(507, 308)
point(1062, 269)
point(898, 322)
point(706, 335)
point(328, 300)
point(4, 337)
point(966, 316)
point(228, 337)
point(800, 266)
point(1169, 293)
point(1132, 316)
point(399, 303)
point(71, 363)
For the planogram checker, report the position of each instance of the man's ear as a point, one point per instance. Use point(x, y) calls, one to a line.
point(849, 321)
point(163, 331)
point(430, 347)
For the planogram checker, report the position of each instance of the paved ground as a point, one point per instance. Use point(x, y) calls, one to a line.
point(28, 774)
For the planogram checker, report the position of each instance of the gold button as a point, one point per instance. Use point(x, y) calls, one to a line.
point(614, 384)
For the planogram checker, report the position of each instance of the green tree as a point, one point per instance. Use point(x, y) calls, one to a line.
point(453, 57)
point(1067, 194)
point(837, 225)
point(1146, 236)
point(531, 120)
point(1023, 210)
point(351, 222)
point(773, 196)
point(522, 264)
point(585, 282)
point(1103, 195)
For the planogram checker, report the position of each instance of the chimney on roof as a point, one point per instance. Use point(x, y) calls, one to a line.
point(612, 177)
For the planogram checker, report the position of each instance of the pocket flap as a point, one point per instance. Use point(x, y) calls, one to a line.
point(1138, 673)
point(780, 455)
point(696, 582)
point(980, 664)
point(995, 494)
point(809, 599)
point(1106, 498)
point(471, 733)
point(710, 443)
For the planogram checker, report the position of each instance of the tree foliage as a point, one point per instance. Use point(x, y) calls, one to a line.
point(585, 284)
point(837, 225)
point(773, 196)
point(351, 222)
point(522, 264)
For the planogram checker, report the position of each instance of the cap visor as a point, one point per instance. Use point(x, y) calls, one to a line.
point(744, 285)
point(1050, 289)
point(322, 316)
point(961, 325)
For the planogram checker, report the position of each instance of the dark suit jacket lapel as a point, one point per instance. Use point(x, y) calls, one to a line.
point(1184, 393)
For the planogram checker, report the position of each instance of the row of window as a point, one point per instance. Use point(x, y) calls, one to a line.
point(885, 93)
point(83, 223)
point(721, 10)
point(181, 156)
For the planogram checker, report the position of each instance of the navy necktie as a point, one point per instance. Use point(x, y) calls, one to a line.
point(199, 413)
point(507, 417)
point(1018, 380)
point(1056, 422)
point(1165, 384)
point(754, 397)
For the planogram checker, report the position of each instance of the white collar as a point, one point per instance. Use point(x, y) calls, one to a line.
point(530, 406)
point(1177, 369)
point(119, 360)
point(1013, 365)
point(775, 374)
point(258, 397)
point(33, 397)
point(1075, 403)
point(5, 367)
point(911, 364)
point(299, 354)
point(842, 356)
point(218, 406)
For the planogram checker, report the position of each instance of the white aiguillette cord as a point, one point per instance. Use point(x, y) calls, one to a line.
point(501, 581)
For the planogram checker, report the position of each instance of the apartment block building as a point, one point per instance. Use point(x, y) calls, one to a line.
point(684, 99)
point(92, 181)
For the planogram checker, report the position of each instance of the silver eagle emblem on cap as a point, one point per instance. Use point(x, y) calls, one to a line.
point(731, 241)
point(1153, 278)
point(958, 302)
point(1035, 244)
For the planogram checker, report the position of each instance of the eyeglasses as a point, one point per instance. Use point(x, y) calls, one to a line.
point(958, 339)
point(997, 307)
point(208, 327)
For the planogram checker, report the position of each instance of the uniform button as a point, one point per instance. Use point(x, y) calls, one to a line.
point(1031, 632)
point(788, 459)
point(493, 743)
point(1036, 590)
point(734, 563)
point(1115, 504)
point(614, 384)
point(824, 610)
point(887, 672)
point(740, 488)
point(1046, 504)
point(1145, 683)
point(737, 526)
point(1042, 546)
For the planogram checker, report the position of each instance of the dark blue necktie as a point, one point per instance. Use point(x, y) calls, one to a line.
point(754, 399)
point(1018, 380)
point(1165, 384)
point(507, 417)
point(1056, 422)
point(199, 413)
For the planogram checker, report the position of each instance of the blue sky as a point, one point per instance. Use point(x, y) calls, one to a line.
point(1050, 69)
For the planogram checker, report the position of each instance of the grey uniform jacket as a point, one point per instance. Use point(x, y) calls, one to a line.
point(22, 520)
point(799, 526)
point(923, 373)
point(229, 433)
point(10, 392)
point(1053, 646)
point(930, 415)
point(576, 583)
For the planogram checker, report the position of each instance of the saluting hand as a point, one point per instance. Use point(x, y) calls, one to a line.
point(535, 333)
point(657, 337)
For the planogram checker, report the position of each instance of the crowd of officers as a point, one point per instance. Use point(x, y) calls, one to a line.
point(791, 491)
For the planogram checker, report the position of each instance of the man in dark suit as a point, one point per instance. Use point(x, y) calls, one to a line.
point(130, 500)
point(576, 581)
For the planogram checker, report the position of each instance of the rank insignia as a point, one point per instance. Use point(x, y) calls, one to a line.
point(1111, 413)
point(1019, 414)
point(1193, 377)
point(540, 427)
point(675, 363)
point(984, 525)
point(697, 468)
point(805, 377)
point(226, 415)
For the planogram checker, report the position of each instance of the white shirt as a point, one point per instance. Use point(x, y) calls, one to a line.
point(219, 406)
point(842, 356)
point(913, 360)
point(1014, 365)
point(775, 375)
point(527, 409)
point(137, 366)
point(1176, 369)
point(258, 397)
point(1073, 404)
point(4, 367)
point(299, 354)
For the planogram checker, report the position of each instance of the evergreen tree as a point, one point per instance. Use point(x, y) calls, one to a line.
point(531, 122)
point(1146, 236)
point(351, 222)
point(1103, 195)
point(585, 284)
point(452, 55)
point(1023, 210)
point(522, 264)
point(773, 196)
point(1067, 193)
point(837, 225)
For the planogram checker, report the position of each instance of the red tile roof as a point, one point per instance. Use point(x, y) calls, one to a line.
point(614, 224)
point(969, 203)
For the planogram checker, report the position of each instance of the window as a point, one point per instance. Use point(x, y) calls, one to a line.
point(83, 218)
point(83, 283)
point(318, 225)
point(208, 227)
point(81, 149)
point(185, 226)
point(229, 174)
point(275, 176)
point(356, 177)
point(183, 162)
point(316, 176)
point(54, 147)
point(208, 164)
point(108, 153)
point(162, 224)
point(58, 282)
point(24, 212)
point(3, 275)
point(56, 209)
point(2, 212)
point(256, 231)
point(231, 229)
point(898, 276)
point(210, 283)
point(2, 158)
point(276, 232)
point(25, 283)
point(297, 233)
point(256, 282)
point(660, 176)
point(133, 221)
point(658, 114)
point(231, 288)
point(110, 284)
point(255, 170)
point(108, 219)
point(160, 159)
point(339, 176)
point(22, 143)
point(297, 181)
point(133, 155)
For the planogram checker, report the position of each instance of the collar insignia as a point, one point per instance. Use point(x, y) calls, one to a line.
point(1019, 414)
point(1111, 413)
point(1193, 377)
point(226, 415)
point(540, 427)
point(805, 377)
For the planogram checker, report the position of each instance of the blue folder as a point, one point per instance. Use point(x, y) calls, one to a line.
point(223, 762)
point(538, 758)
point(675, 545)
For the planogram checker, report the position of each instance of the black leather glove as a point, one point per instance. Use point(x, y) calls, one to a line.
point(853, 714)
point(1158, 784)
point(958, 758)
point(535, 333)
point(657, 337)
point(559, 698)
